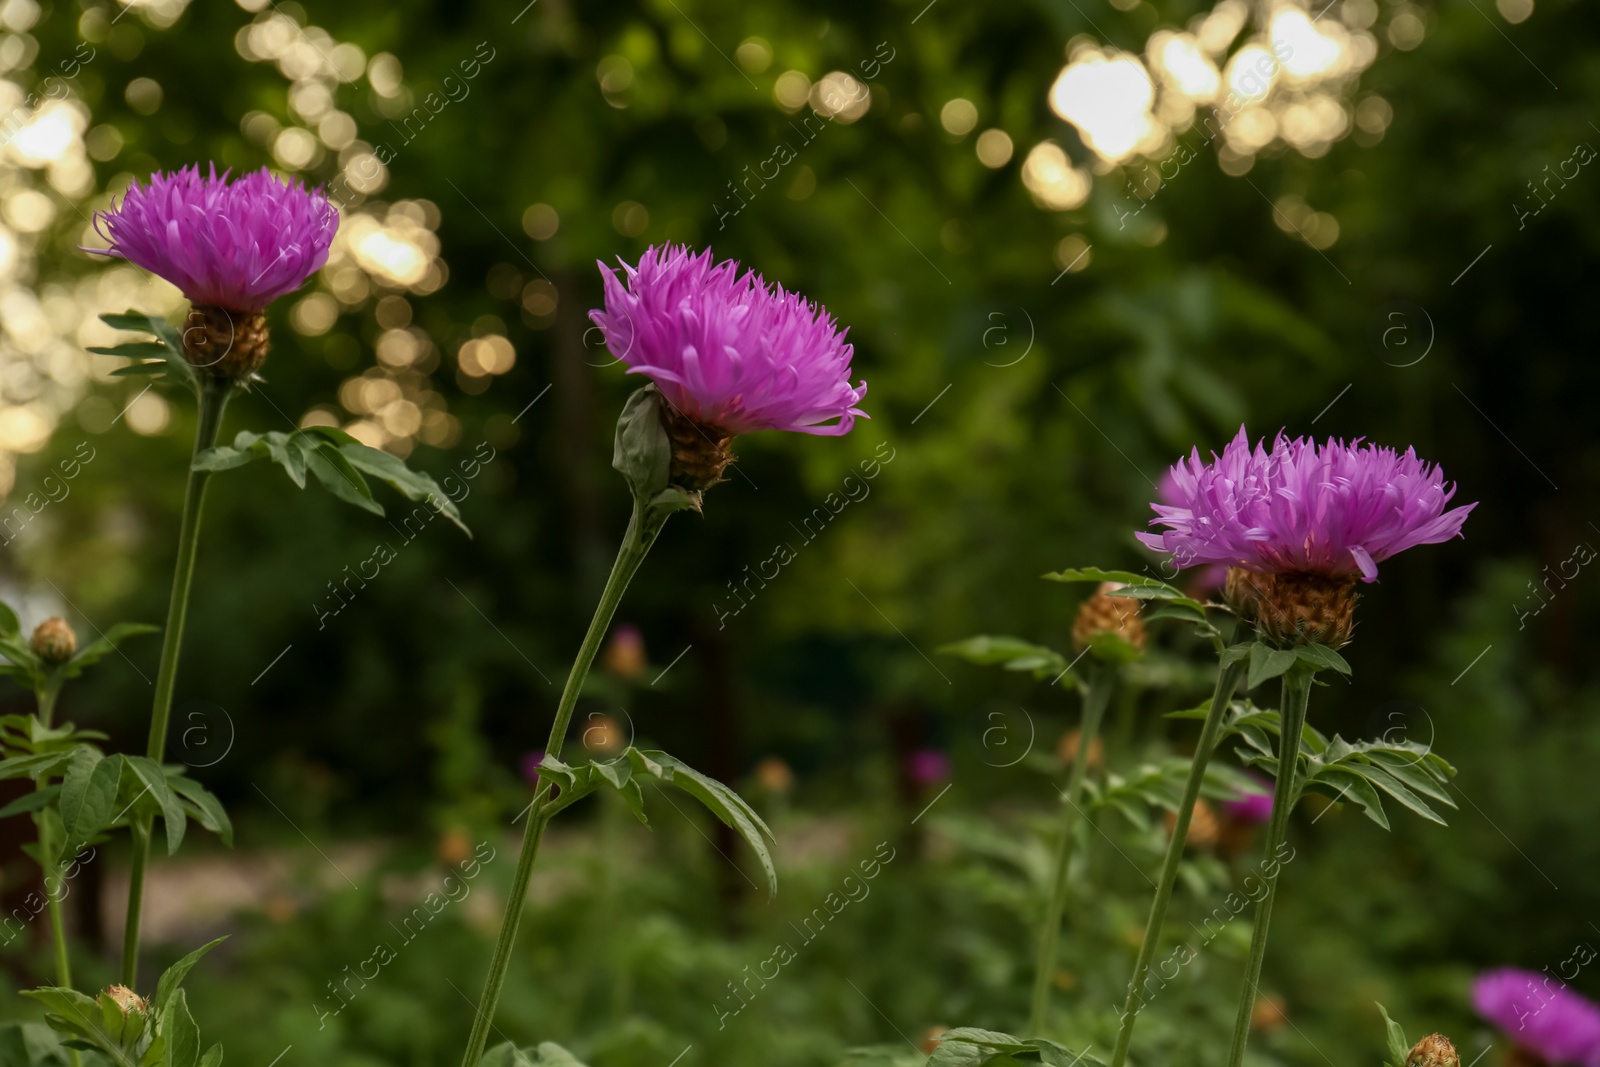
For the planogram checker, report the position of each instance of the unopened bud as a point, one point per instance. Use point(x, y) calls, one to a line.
point(1107, 614)
point(1435, 1050)
point(53, 641)
point(126, 1000)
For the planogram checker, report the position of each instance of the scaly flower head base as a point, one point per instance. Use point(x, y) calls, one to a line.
point(1295, 608)
point(228, 344)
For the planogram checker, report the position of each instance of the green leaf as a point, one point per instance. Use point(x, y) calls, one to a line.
point(413, 485)
point(155, 781)
point(1399, 1047)
point(213, 1057)
point(183, 1036)
point(204, 806)
point(1267, 662)
point(1011, 653)
point(338, 477)
point(1346, 783)
point(107, 643)
point(40, 798)
point(88, 795)
point(173, 976)
point(221, 458)
point(1126, 578)
point(10, 626)
point(135, 350)
point(1321, 657)
point(725, 804)
point(132, 321)
point(39, 766)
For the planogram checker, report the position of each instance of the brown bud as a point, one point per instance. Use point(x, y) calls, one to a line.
point(602, 735)
point(774, 775)
point(624, 653)
point(1203, 825)
point(1295, 608)
point(1106, 614)
point(230, 345)
point(1268, 1013)
point(930, 1038)
point(53, 641)
point(700, 453)
point(1435, 1050)
point(1068, 749)
point(126, 1000)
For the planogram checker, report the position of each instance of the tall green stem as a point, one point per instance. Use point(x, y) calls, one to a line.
point(1101, 680)
point(214, 394)
point(1228, 679)
point(1296, 694)
point(47, 695)
point(642, 530)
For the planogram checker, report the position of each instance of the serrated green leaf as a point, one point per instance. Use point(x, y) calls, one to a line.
point(204, 806)
point(88, 795)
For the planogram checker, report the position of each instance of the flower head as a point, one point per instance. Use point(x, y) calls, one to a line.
point(53, 641)
point(1337, 510)
point(1435, 1050)
point(1541, 1015)
point(237, 245)
point(126, 1000)
point(927, 766)
point(728, 351)
point(1251, 805)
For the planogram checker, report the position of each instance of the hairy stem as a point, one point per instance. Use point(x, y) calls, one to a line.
point(1296, 694)
point(1228, 679)
point(1101, 680)
point(641, 534)
point(213, 399)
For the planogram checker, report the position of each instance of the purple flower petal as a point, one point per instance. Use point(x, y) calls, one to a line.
point(726, 349)
point(236, 245)
point(1340, 509)
point(1541, 1014)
